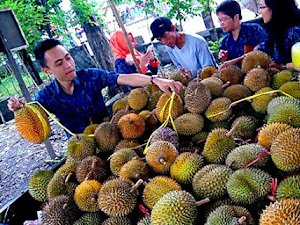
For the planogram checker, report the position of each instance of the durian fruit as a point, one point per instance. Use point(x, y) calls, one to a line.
point(130, 143)
point(288, 188)
point(120, 104)
point(210, 181)
point(269, 132)
point(153, 99)
point(219, 105)
point(280, 100)
point(117, 116)
point(131, 125)
point(246, 128)
point(231, 73)
point(106, 136)
point(117, 198)
point(90, 129)
point(256, 79)
point(254, 59)
point(145, 221)
point(260, 103)
point(134, 170)
point(176, 208)
point(197, 97)
point(156, 188)
point(292, 88)
point(211, 206)
point(286, 113)
point(164, 104)
point(68, 167)
point(80, 146)
point(89, 219)
point(209, 125)
point(180, 76)
point(215, 86)
point(189, 123)
point(60, 185)
point(37, 185)
point(248, 185)
point(32, 123)
point(185, 167)
point(117, 220)
point(233, 215)
point(244, 154)
point(285, 150)
point(160, 156)
point(60, 210)
point(281, 78)
point(201, 136)
point(150, 119)
point(165, 134)
point(151, 89)
point(138, 98)
point(86, 194)
point(119, 158)
point(218, 145)
point(236, 92)
point(208, 71)
point(282, 212)
point(91, 168)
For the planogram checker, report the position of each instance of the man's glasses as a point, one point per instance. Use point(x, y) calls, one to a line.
point(224, 20)
point(263, 7)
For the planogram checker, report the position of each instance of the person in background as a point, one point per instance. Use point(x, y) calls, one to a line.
point(75, 96)
point(188, 52)
point(241, 37)
point(282, 19)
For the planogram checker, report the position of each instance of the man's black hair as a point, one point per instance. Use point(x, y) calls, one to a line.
point(229, 8)
point(42, 47)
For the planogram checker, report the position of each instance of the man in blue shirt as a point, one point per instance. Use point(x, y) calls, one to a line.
point(187, 52)
point(241, 37)
point(75, 96)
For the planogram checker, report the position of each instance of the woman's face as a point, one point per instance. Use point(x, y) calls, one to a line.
point(265, 11)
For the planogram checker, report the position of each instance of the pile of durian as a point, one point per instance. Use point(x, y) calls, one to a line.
point(216, 162)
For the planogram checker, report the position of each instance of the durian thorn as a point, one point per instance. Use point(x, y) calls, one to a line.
point(231, 163)
point(137, 175)
point(65, 206)
point(93, 200)
point(88, 176)
point(229, 133)
point(162, 160)
point(68, 178)
point(137, 184)
point(172, 133)
point(203, 201)
point(242, 220)
point(198, 75)
point(225, 85)
point(289, 119)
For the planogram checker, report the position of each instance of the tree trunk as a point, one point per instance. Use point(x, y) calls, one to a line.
point(30, 67)
point(208, 21)
point(99, 45)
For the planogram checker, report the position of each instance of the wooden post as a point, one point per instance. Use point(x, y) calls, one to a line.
point(116, 13)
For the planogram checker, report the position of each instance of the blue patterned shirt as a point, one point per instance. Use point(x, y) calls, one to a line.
point(74, 111)
point(250, 34)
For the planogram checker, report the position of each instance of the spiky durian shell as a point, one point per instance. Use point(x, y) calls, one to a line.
point(150, 119)
point(161, 155)
point(256, 79)
point(285, 150)
point(216, 106)
point(37, 185)
point(115, 197)
point(260, 103)
point(246, 128)
point(120, 104)
point(91, 168)
point(208, 71)
point(236, 92)
point(244, 154)
point(106, 136)
point(189, 123)
point(117, 220)
point(153, 99)
point(248, 185)
point(197, 97)
point(280, 100)
point(281, 78)
point(68, 167)
point(157, 187)
point(210, 181)
point(90, 129)
point(286, 113)
point(86, 194)
point(282, 212)
point(288, 188)
point(269, 132)
point(215, 86)
point(80, 146)
point(59, 185)
point(134, 170)
point(254, 59)
point(292, 88)
point(119, 158)
point(176, 208)
point(177, 108)
point(185, 167)
point(138, 98)
point(180, 76)
point(117, 116)
point(231, 73)
point(89, 219)
point(217, 146)
point(132, 125)
point(129, 143)
point(165, 134)
point(145, 221)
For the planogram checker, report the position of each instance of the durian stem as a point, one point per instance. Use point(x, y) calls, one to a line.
point(242, 220)
point(225, 85)
point(172, 133)
point(229, 134)
point(203, 201)
point(138, 183)
point(94, 164)
point(87, 176)
point(68, 178)
point(65, 206)
point(162, 160)
point(197, 151)
point(198, 75)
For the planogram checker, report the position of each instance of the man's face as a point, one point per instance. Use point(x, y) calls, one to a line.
point(226, 22)
point(60, 63)
point(169, 39)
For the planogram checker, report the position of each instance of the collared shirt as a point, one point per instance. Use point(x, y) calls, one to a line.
point(250, 34)
point(74, 111)
point(193, 56)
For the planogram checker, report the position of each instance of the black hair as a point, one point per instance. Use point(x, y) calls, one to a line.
point(285, 14)
point(230, 8)
point(42, 47)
